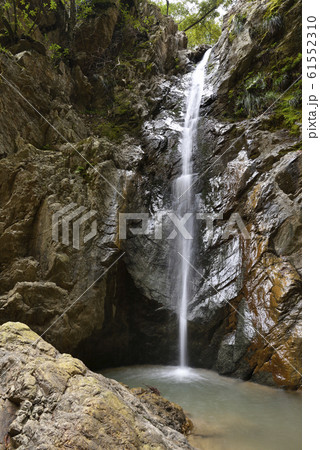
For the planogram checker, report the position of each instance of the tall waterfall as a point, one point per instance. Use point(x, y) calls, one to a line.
point(185, 201)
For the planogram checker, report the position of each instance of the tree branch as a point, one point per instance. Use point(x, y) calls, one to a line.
point(38, 15)
point(15, 17)
point(201, 18)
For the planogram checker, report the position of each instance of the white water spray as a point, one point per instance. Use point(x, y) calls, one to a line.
point(185, 200)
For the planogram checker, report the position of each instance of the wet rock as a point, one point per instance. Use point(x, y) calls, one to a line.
point(196, 55)
point(245, 169)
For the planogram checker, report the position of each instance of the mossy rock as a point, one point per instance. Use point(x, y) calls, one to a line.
point(111, 131)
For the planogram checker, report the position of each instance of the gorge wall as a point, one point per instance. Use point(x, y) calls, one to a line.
point(117, 104)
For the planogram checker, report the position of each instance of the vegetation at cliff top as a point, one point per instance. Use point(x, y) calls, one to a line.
point(200, 19)
point(20, 18)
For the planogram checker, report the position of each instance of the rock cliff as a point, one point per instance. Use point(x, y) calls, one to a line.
point(252, 148)
point(117, 109)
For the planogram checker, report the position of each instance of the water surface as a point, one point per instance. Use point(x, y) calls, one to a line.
point(228, 414)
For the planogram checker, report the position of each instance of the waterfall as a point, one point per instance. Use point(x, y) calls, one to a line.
point(185, 201)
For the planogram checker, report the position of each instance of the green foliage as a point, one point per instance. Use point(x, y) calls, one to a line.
point(273, 8)
point(257, 92)
point(84, 9)
point(251, 103)
point(18, 17)
point(4, 50)
point(186, 13)
point(291, 63)
point(231, 36)
point(83, 172)
point(122, 120)
point(205, 33)
point(239, 22)
point(273, 24)
point(57, 52)
point(236, 24)
point(141, 25)
point(288, 111)
point(270, 84)
point(253, 97)
point(124, 113)
point(130, 20)
point(111, 131)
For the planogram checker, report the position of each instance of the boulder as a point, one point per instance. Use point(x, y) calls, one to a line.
point(51, 400)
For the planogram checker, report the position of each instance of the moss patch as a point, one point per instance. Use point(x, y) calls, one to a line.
point(258, 91)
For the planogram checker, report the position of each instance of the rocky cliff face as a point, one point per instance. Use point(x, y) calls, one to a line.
point(119, 103)
point(76, 142)
point(252, 160)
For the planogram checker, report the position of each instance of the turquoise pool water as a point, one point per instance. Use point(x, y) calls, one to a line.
point(228, 414)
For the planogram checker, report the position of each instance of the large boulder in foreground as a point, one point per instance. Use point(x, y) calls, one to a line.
point(50, 400)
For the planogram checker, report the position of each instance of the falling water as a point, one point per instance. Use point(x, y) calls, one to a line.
point(185, 200)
